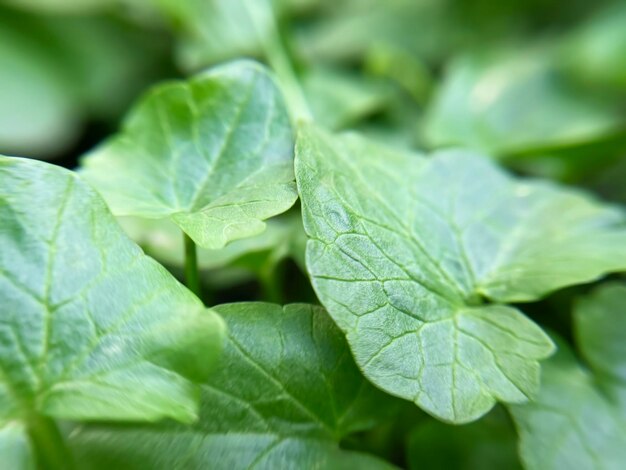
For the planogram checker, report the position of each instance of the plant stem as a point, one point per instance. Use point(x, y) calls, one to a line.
point(52, 452)
point(271, 281)
point(262, 14)
point(192, 278)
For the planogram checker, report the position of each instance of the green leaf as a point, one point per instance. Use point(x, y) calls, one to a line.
point(487, 443)
point(15, 448)
point(287, 391)
point(67, 70)
point(213, 154)
point(162, 240)
point(238, 262)
point(339, 98)
point(62, 6)
point(39, 115)
point(600, 328)
point(594, 52)
point(505, 103)
point(571, 423)
point(91, 328)
point(348, 29)
point(214, 31)
point(402, 248)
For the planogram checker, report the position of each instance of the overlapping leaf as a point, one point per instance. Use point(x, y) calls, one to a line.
point(404, 248)
point(488, 443)
point(578, 420)
point(90, 328)
point(286, 392)
point(600, 328)
point(571, 424)
point(161, 239)
point(214, 154)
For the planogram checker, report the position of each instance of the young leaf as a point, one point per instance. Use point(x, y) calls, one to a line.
point(287, 391)
point(214, 154)
point(571, 423)
point(91, 328)
point(402, 248)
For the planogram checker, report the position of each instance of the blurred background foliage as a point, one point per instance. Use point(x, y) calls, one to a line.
point(539, 85)
point(536, 83)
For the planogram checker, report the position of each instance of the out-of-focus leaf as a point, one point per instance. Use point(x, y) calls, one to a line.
point(39, 115)
point(600, 327)
point(348, 29)
point(217, 30)
point(338, 99)
point(108, 63)
point(15, 447)
point(578, 420)
point(581, 163)
point(62, 6)
point(404, 68)
point(488, 443)
point(571, 424)
point(214, 154)
point(595, 52)
point(609, 182)
point(61, 71)
point(214, 30)
point(513, 101)
point(162, 240)
point(287, 392)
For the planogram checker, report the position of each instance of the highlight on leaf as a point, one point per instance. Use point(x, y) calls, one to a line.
point(213, 153)
point(115, 337)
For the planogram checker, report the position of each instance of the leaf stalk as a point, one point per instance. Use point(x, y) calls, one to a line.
point(262, 15)
point(50, 447)
point(192, 277)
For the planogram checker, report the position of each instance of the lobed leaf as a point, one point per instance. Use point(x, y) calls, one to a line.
point(403, 248)
point(213, 154)
point(285, 394)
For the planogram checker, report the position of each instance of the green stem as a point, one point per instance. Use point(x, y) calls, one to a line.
point(192, 277)
point(52, 452)
point(262, 15)
point(271, 283)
